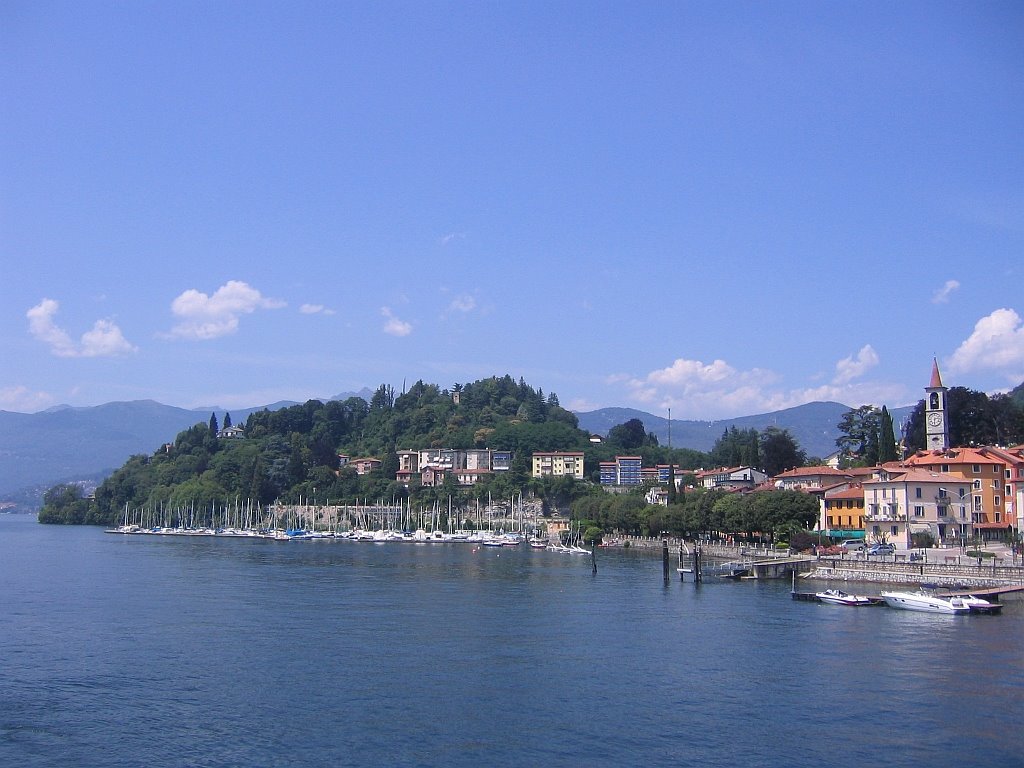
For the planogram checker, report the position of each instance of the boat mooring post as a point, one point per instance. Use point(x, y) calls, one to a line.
point(698, 577)
point(593, 556)
point(664, 559)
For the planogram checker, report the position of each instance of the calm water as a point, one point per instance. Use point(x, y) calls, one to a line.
point(129, 651)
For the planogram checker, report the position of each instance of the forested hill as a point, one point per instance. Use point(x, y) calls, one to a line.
point(292, 453)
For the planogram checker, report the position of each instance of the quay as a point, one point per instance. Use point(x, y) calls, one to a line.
point(761, 562)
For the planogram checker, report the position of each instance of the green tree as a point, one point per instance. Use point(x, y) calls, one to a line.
point(859, 439)
point(213, 423)
point(630, 436)
point(886, 438)
point(780, 451)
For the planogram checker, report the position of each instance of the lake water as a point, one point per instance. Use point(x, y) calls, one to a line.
point(170, 651)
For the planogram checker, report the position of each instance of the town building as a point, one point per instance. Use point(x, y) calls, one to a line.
point(558, 464)
point(842, 511)
point(995, 477)
point(807, 478)
point(900, 502)
point(623, 471)
point(467, 466)
point(731, 478)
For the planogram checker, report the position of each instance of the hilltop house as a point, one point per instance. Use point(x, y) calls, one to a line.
point(731, 478)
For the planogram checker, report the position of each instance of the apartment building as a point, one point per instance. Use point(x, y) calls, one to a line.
point(558, 464)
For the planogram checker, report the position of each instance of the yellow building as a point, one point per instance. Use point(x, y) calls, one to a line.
point(558, 464)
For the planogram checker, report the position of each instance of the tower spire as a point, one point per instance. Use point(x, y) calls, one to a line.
point(936, 378)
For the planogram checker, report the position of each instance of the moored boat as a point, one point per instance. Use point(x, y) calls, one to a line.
point(922, 601)
point(980, 604)
point(838, 597)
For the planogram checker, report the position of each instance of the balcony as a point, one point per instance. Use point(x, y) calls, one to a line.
point(876, 513)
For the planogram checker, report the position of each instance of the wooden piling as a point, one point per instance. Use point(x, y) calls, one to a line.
point(664, 559)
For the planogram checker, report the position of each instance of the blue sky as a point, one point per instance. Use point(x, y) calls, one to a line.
point(719, 208)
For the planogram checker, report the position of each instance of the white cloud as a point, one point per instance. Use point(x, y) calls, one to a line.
point(315, 309)
point(463, 303)
point(104, 340)
point(23, 400)
point(849, 368)
point(942, 295)
point(452, 236)
point(209, 317)
point(392, 325)
point(996, 343)
point(698, 390)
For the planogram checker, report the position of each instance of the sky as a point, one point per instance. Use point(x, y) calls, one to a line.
point(718, 208)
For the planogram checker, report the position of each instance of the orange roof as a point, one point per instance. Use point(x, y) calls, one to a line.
point(811, 472)
point(954, 456)
point(853, 492)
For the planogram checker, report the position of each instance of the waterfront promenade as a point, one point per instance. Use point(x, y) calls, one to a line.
point(946, 567)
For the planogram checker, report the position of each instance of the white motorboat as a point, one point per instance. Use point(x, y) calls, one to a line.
point(838, 597)
point(980, 604)
point(922, 601)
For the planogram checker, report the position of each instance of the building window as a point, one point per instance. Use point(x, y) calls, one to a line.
point(997, 501)
point(945, 467)
point(977, 485)
point(917, 493)
point(976, 469)
point(918, 510)
point(942, 511)
point(894, 530)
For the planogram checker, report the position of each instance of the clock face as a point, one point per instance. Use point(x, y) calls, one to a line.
point(935, 419)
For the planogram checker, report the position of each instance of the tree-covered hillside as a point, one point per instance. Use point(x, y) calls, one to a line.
point(290, 455)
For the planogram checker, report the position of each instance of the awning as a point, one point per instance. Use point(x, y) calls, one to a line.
point(919, 527)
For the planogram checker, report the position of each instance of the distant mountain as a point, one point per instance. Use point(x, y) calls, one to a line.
point(813, 426)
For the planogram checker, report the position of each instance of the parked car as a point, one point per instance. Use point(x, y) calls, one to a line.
point(852, 545)
point(881, 549)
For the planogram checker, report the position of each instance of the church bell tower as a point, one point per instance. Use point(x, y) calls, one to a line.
point(936, 423)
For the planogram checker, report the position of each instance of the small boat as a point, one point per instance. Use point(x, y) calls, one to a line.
point(922, 601)
point(980, 604)
point(838, 597)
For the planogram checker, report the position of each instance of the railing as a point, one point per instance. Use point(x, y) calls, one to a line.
point(953, 567)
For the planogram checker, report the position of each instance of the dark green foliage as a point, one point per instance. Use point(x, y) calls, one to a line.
point(886, 438)
point(292, 453)
point(737, 448)
point(63, 504)
point(974, 419)
point(779, 451)
point(631, 436)
point(859, 441)
point(767, 513)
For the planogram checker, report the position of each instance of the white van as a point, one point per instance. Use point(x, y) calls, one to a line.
point(852, 545)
